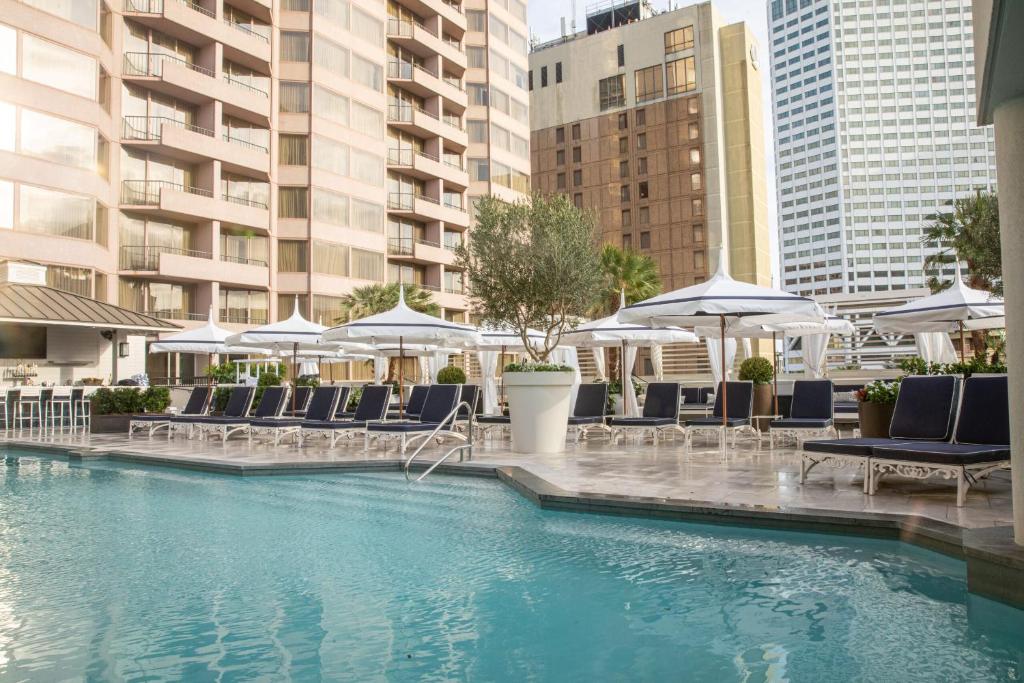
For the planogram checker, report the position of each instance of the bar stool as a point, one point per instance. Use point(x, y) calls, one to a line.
point(4, 397)
point(60, 407)
point(45, 394)
point(28, 398)
point(81, 407)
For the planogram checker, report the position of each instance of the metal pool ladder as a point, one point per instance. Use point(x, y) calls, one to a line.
point(462, 449)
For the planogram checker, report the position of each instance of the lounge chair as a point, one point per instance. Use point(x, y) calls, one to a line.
point(472, 396)
point(740, 399)
point(322, 406)
point(590, 410)
point(810, 413)
point(980, 447)
point(925, 411)
point(695, 401)
point(372, 407)
point(437, 415)
point(198, 404)
point(661, 413)
point(238, 405)
point(303, 395)
point(271, 406)
point(413, 403)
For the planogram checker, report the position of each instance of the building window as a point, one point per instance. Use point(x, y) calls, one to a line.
point(623, 145)
point(649, 83)
point(682, 76)
point(694, 156)
point(641, 140)
point(644, 215)
point(577, 155)
point(697, 207)
point(293, 150)
point(558, 72)
point(560, 157)
point(693, 105)
point(292, 202)
point(698, 232)
point(641, 166)
point(694, 131)
point(627, 218)
point(645, 240)
point(679, 39)
point(624, 193)
point(577, 177)
point(560, 181)
point(543, 77)
point(623, 121)
point(612, 91)
point(530, 77)
point(641, 117)
point(641, 189)
point(559, 136)
point(627, 241)
point(577, 200)
point(698, 259)
point(575, 131)
point(695, 182)
point(294, 96)
point(292, 256)
point(623, 169)
point(294, 46)
point(621, 54)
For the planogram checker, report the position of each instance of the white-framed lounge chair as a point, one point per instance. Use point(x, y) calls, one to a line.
point(323, 404)
point(372, 407)
point(438, 409)
point(470, 395)
point(413, 404)
point(271, 406)
point(925, 411)
point(198, 403)
point(810, 414)
point(981, 444)
point(660, 414)
point(740, 400)
point(589, 413)
point(238, 405)
point(303, 395)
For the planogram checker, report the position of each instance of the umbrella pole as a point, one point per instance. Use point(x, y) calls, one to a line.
point(963, 344)
point(501, 384)
point(295, 373)
point(209, 369)
point(401, 380)
point(775, 375)
point(622, 375)
point(725, 384)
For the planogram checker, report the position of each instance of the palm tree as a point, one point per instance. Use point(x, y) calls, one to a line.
point(625, 272)
point(373, 299)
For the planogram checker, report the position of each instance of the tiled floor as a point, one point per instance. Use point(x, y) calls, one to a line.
point(745, 475)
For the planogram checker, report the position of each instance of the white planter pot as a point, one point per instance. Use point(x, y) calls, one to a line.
point(618, 408)
point(538, 403)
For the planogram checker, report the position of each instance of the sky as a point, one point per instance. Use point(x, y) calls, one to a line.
point(544, 20)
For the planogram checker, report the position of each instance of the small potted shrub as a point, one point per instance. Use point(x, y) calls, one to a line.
point(112, 408)
point(758, 370)
point(876, 404)
point(451, 375)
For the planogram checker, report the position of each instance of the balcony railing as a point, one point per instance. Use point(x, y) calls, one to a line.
point(400, 246)
point(157, 6)
point(248, 30)
point(244, 260)
point(245, 201)
point(148, 127)
point(152, 63)
point(401, 27)
point(245, 143)
point(174, 314)
point(147, 258)
point(451, 204)
point(454, 5)
point(246, 86)
point(403, 113)
point(147, 192)
point(243, 317)
point(404, 201)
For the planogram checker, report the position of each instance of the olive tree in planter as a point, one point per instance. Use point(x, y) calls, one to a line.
point(534, 264)
point(759, 370)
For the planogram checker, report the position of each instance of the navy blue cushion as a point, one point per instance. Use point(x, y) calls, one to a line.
point(846, 407)
point(799, 423)
point(373, 403)
point(662, 400)
point(740, 396)
point(402, 427)
point(197, 401)
point(323, 403)
point(591, 401)
point(863, 446)
point(494, 419)
point(574, 420)
point(416, 398)
point(239, 401)
point(985, 411)
point(642, 421)
point(280, 422)
point(943, 453)
point(208, 419)
point(812, 398)
point(330, 424)
point(441, 400)
point(152, 417)
point(717, 422)
point(925, 408)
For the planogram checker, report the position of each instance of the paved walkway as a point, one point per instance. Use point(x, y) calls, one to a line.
point(745, 476)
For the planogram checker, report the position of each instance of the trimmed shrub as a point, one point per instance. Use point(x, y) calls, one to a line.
point(756, 369)
point(451, 375)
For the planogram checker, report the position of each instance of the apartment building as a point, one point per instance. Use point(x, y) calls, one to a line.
point(653, 120)
point(874, 108)
point(171, 156)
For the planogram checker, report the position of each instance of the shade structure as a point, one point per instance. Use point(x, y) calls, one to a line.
point(402, 325)
point(495, 342)
point(208, 340)
point(955, 309)
point(723, 300)
point(611, 332)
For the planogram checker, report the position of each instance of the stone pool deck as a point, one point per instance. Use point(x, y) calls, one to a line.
point(746, 485)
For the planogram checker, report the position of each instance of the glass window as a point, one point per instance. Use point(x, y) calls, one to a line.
point(367, 265)
point(6, 204)
point(7, 126)
point(293, 150)
point(56, 213)
point(292, 202)
point(69, 279)
point(292, 256)
point(368, 73)
point(330, 258)
point(645, 240)
point(367, 216)
point(294, 97)
point(8, 49)
point(476, 20)
point(694, 131)
point(367, 120)
point(682, 76)
point(559, 135)
point(695, 182)
point(612, 91)
point(335, 10)
point(577, 155)
point(58, 67)
point(58, 140)
point(329, 55)
point(330, 105)
point(679, 39)
point(294, 46)
point(476, 57)
point(367, 27)
point(649, 83)
point(240, 247)
point(641, 140)
point(694, 156)
point(367, 167)
point(330, 207)
point(82, 12)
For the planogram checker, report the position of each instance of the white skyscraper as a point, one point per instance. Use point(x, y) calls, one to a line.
point(874, 111)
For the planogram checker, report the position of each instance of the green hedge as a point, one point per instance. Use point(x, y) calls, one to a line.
point(451, 375)
point(130, 400)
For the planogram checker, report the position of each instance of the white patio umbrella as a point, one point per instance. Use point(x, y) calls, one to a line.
point(958, 308)
point(495, 342)
point(294, 334)
point(611, 332)
point(403, 325)
point(726, 300)
point(206, 340)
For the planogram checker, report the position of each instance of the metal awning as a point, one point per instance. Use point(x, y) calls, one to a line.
point(39, 305)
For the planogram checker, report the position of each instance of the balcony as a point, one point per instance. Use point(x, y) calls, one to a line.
point(427, 167)
point(419, 40)
point(174, 314)
point(194, 144)
point(174, 200)
point(422, 123)
point(188, 265)
point(426, 83)
point(414, 250)
point(193, 23)
point(238, 317)
point(427, 209)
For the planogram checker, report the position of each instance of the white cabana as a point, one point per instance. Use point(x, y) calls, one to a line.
point(208, 340)
point(956, 309)
point(611, 332)
point(935, 347)
point(495, 342)
point(402, 325)
point(726, 301)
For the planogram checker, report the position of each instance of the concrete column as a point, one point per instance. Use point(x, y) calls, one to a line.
point(1009, 126)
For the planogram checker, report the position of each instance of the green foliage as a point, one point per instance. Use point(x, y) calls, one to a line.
point(615, 389)
point(220, 399)
point(307, 381)
point(625, 270)
point(537, 367)
point(916, 366)
point(268, 378)
point(532, 264)
point(880, 391)
point(130, 400)
point(223, 373)
point(970, 232)
point(757, 369)
point(451, 375)
point(353, 398)
point(373, 299)
point(976, 365)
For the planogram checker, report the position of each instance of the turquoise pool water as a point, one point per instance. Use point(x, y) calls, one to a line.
point(120, 573)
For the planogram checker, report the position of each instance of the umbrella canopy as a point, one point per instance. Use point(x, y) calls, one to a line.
point(502, 338)
point(208, 339)
point(956, 308)
point(750, 328)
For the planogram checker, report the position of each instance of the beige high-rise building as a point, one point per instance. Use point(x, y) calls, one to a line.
point(654, 121)
point(174, 156)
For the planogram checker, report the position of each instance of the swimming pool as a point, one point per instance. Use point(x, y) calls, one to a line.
point(116, 572)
